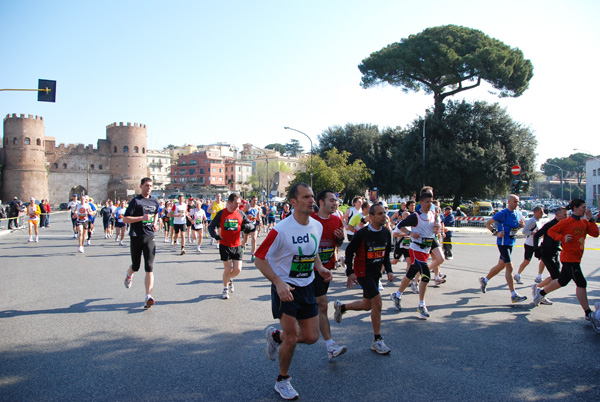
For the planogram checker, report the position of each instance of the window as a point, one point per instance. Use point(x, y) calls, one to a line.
point(15, 141)
point(125, 149)
point(240, 169)
point(92, 166)
point(181, 171)
point(99, 167)
point(115, 150)
point(192, 171)
point(201, 170)
point(136, 150)
point(594, 172)
point(182, 180)
point(220, 170)
point(56, 166)
point(143, 150)
point(27, 141)
point(64, 165)
point(38, 142)
point(183, 162)
point(192, 179)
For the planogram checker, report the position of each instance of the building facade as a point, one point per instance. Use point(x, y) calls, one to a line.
point(159, 165)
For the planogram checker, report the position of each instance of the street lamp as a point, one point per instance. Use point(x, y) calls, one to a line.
point(311, 152)
point(561, 179)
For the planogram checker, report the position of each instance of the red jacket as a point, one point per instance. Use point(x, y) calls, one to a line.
point(578, 229)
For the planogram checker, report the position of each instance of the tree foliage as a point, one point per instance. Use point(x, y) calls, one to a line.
point(334, 171)
point(469, 151)
point(277, 147)
point(446, 60)
point(293, 148)
point(572, 166)
point(262, 176)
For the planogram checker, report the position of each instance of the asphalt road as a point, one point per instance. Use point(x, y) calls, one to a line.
point(70, 331)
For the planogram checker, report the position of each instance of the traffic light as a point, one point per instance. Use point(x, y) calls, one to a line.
point(519, 186)
point(515, 187)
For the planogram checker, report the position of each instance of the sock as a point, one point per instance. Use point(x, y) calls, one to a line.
point(277, 336)
point(329, 342)
point(513, 293)
point(378, 337)
point(486, 280)
point(588, 312)
point(539, 276)
point(421, 303)
point(148, 296)
point(343, 308)
point(543, 292)
point(282, 377)
point(399, 294)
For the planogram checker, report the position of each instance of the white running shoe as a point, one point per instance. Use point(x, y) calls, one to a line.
point(337, 312)
point(414, 286)
point(335, 350)
point(380, 286)
point(538, 279)
point(120, 242)
point(517, 279)
point(230, 286)
point(81, 249)
point(89, 242)
point(380, 347)
point(423, 313)
point(397, 301)
point(225, 293)
point(272, 346)
point(149, 301)
point(285, 389)
point(36, 239)
point(198, 249)
point(30, 239)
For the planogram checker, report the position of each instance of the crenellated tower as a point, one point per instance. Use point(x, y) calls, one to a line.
point(24, 170)
point(128, 161)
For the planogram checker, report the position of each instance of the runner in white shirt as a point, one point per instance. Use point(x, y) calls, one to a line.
point(198, 218)
point(82, 211)
point(178, 213)
point(71, 208)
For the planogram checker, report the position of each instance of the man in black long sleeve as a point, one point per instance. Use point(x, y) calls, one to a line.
point(368, 251)
point(548, 252)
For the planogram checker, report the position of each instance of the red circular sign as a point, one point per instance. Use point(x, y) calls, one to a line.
point(516, 170)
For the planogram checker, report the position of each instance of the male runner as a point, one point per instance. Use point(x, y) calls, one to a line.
point(368, 251)
point(106, 213)
point(424, 229)
point(350, 212)
point(82, 213)
point(33, 212)
point(271, 214)
point(287, 258)
point(231, 222)
point(179, 213)
point(531, 227)
point(252, 211)
point(71, 208)
point(331, 238)
point(142, 217)
point(508, 226)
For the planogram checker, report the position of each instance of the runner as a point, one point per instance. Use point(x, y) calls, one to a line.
point(531, 227)
point(424, 228)
point(166, 221)
point(508, 226)
point(252, 211)
point(287, 258)
point(571, 232)
point(368, 251)
point(449, 222)
point(33, 212)
point(216, 206)
point(119, 224)
point(271, 214)
point(188, 222)
point(112, 221)
point(198, 217)
point(286, 211)
point(142, 217)
point(548, 253)
point(350, 212)
point(231, 222)
point(71, 207)
point(106, 213)
point(83, 211)
point(92, 219)
point(179, 213)
point(331, 238)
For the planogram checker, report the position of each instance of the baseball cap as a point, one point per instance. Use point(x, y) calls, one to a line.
point(32, 199)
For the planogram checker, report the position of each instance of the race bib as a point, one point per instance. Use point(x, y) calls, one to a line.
point(374, 253)
point(302, 266)
point(326, 253)
point(513, 233)
point(406, 241)
point(231, 224)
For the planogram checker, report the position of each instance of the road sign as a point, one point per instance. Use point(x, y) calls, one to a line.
point(516, 170)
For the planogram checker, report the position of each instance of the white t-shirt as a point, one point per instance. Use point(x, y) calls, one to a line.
point(290, 248)
point(179, 211)
point(81, 212)
point(531, 226)
point(198, 216)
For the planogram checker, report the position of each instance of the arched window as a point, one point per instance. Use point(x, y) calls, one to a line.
point(143, 150)
point(92, 166)
point(125, 149)
point(27, 141)
point(99, 167)
point(136, 150)
point(115, 150)
point(38, 142)
point(56, 166)
point(64, 165)
point(15, 141)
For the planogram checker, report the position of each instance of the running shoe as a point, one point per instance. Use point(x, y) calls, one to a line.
point(212, 241)
point(482, 284)
point(595, 321)
point(442, 276)
point(272, 346)
point(230, 286)
point(380, 286)
point(36, 239)
point(518, 299)
point(30, 240)
point(547, 302)
point(285, 389)
point(397, 299)
point(89, 242)
point(439, 280)
point(380, 347)
point(537, 296)
point(538, 279)
point(198, 249)
point(225, 293)
point(81, 249)
point(252, 258)
point(128, 279)
point(149, 301)
point(182, 251)
point(120, 242)
point(533, 288)
point(337, 311)
point(414, 287)
point(517, 279)
point(335, 350)
point(422, 310)
point(449, 258)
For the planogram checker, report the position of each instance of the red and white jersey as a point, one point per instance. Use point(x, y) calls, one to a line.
point(179, 211)
point(291, 248)
point(81, 212)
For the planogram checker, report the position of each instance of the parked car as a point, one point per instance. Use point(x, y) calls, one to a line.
point(63, 206)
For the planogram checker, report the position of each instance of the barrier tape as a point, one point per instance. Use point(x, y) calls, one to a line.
point(25, 215)
point(494, 245)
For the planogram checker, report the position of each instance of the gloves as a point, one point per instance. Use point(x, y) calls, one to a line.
point(249, 228)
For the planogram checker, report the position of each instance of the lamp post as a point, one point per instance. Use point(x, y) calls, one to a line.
point(311, 152)
point(561, 180)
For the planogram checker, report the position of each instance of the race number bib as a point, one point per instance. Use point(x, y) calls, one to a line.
point(302, 266)
point(513, 233)
point(326, 253)
point(231, 224)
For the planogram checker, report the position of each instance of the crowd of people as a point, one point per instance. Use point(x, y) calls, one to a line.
point(299, 253)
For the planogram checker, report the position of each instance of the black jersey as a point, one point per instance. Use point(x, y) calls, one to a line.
point(141, 206)
point(369, 250)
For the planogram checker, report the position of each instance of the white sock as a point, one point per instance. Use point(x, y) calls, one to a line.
point(513, 293)
point(329, 342)
point(539, 276)
point(421, 303)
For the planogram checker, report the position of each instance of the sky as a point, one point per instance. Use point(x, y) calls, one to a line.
point(200, 72)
